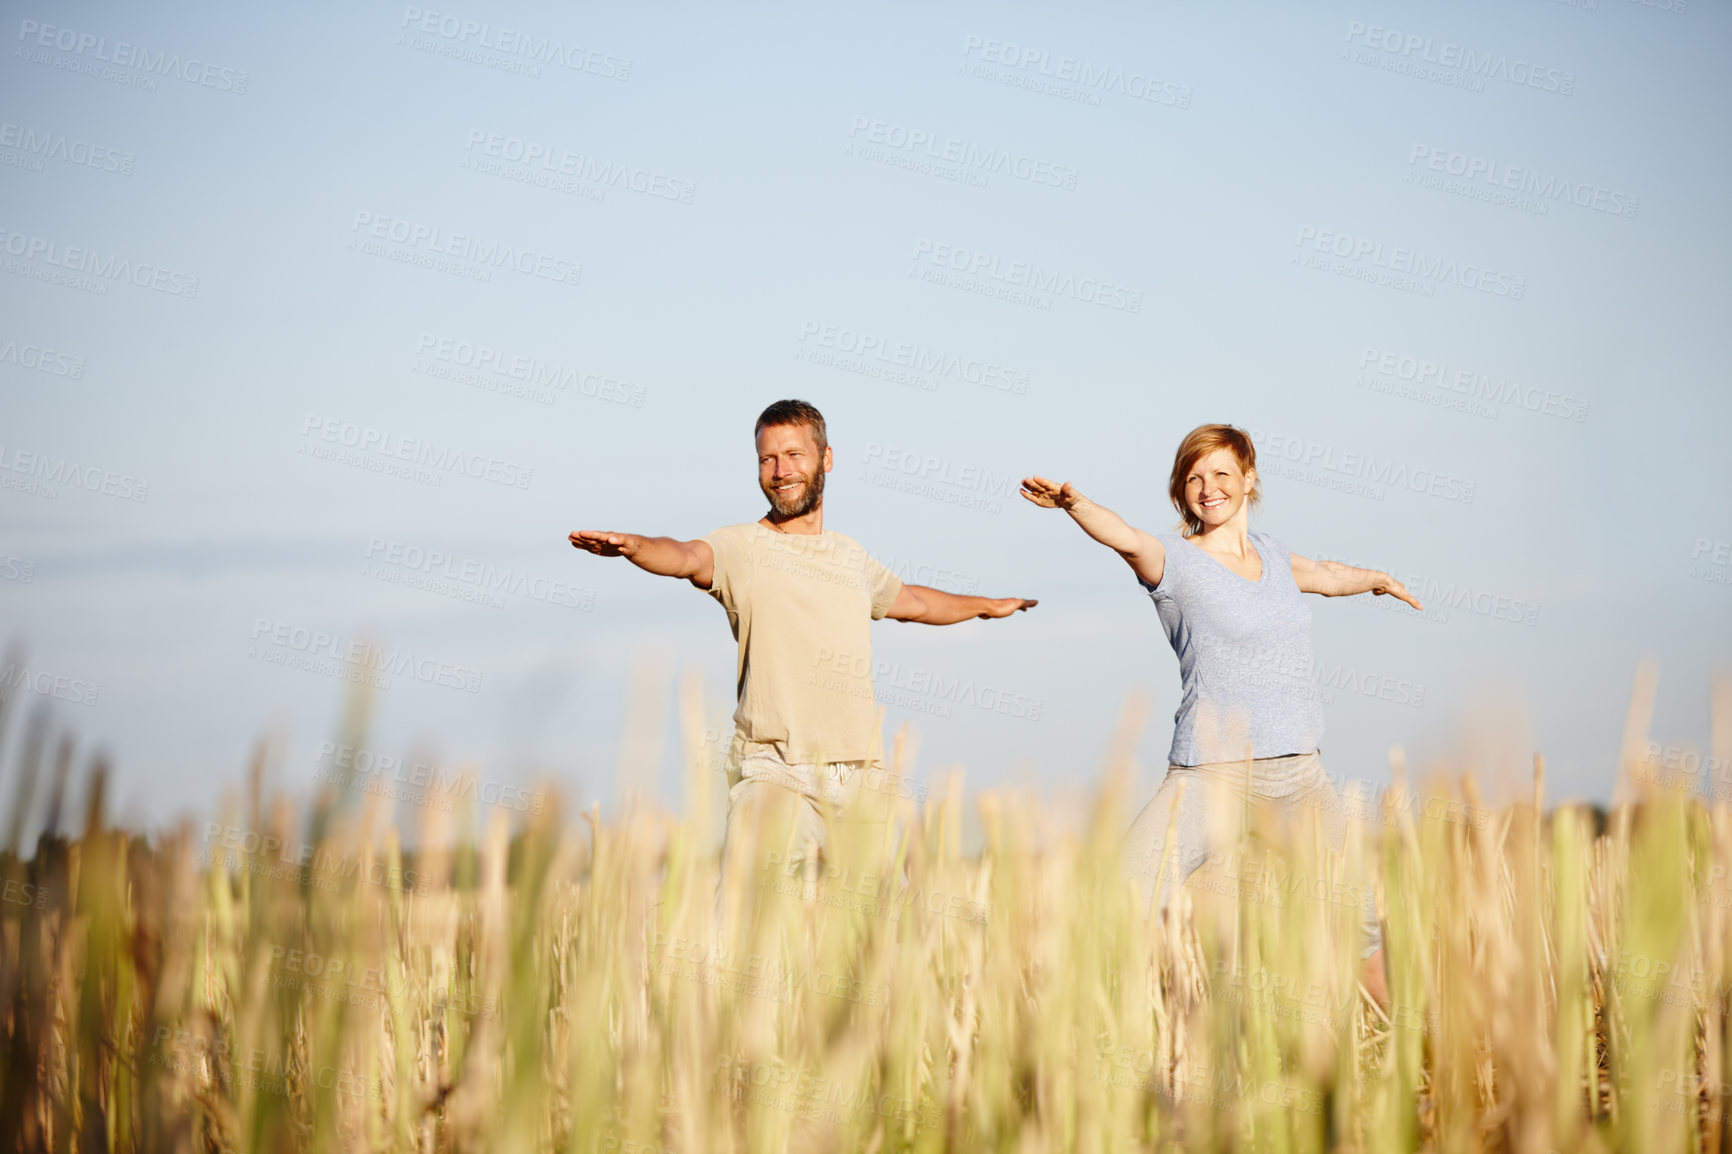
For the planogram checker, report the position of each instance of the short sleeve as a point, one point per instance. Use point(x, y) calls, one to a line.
point(1276, 552)
point(729, 555)
point(883, 585)
point(1168, 567)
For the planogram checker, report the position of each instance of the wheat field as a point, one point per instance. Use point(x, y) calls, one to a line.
point(273, 980)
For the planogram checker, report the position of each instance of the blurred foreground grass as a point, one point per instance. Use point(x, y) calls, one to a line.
point(264, 982)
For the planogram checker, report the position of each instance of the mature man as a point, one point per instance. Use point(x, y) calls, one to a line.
point(800, 600)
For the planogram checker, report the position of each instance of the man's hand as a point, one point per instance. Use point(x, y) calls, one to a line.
point(930, 606)
point(693, 561)
point(1048, 494)
point(1005, 606)
point(605, 544)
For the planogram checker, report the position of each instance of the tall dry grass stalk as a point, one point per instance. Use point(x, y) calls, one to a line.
point(261, 982)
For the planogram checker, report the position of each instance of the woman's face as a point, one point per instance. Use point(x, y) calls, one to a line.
point(1216, 488)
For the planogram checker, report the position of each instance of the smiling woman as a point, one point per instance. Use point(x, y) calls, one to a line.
point(1250, 716)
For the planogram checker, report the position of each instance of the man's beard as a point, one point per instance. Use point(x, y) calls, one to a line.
point(810, 496)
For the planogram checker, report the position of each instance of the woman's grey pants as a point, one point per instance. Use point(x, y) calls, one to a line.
point(1290, 786)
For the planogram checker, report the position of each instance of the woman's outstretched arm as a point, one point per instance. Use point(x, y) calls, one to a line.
point(1333, 579)
point(1142, 551)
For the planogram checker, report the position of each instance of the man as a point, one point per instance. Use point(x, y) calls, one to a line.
point(800, 600)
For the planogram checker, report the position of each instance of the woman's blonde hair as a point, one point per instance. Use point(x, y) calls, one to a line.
point(1199, 443)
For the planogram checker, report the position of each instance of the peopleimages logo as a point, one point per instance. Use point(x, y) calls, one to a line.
point(1022, 275)
point(486, 581)
point(1474, 384)
point(558, 161)
point(41, 359)
point(515, 42)
point(359, 767)
point(1414, 49)
point(940, 470)
point(918, 358)
point(433, 241)
point(1409, 262)
point(1081, 79)
point(285, 637)
point(48, 683)
point(1496, 177)
point(328, 865)
point(1440, 596)
point(89, 262)
point(1711, 561)
point(1360, 467)
point(45, 144)
point(472, 362)
point(971, 157)
point(833, 667)
point(122, 54)
point(46, 471)
point(364, 439)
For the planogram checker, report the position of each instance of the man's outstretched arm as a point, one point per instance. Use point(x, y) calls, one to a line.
point(936, 607)
point(692, 561)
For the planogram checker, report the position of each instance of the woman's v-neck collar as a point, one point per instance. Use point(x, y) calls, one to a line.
point(1262, 561)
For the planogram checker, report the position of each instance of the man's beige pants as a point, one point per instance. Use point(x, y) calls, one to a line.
point(781, 816)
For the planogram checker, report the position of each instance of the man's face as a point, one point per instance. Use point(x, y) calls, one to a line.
point(791, 470)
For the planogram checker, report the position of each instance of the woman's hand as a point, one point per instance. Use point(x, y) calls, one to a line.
point(1141, 550)
point(1049, 495)
point(1389, 585)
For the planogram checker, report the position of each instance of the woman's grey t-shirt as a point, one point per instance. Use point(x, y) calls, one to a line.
point(1244, 648)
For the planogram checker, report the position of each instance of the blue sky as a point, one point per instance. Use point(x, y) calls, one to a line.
point(1460, 267)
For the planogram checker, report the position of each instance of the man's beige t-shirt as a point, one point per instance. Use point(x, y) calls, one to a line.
point(801, 606)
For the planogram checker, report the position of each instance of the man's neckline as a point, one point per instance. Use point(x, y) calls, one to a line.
point(778, 529)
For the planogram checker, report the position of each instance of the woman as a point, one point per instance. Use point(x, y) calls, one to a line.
point(1229, 599)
